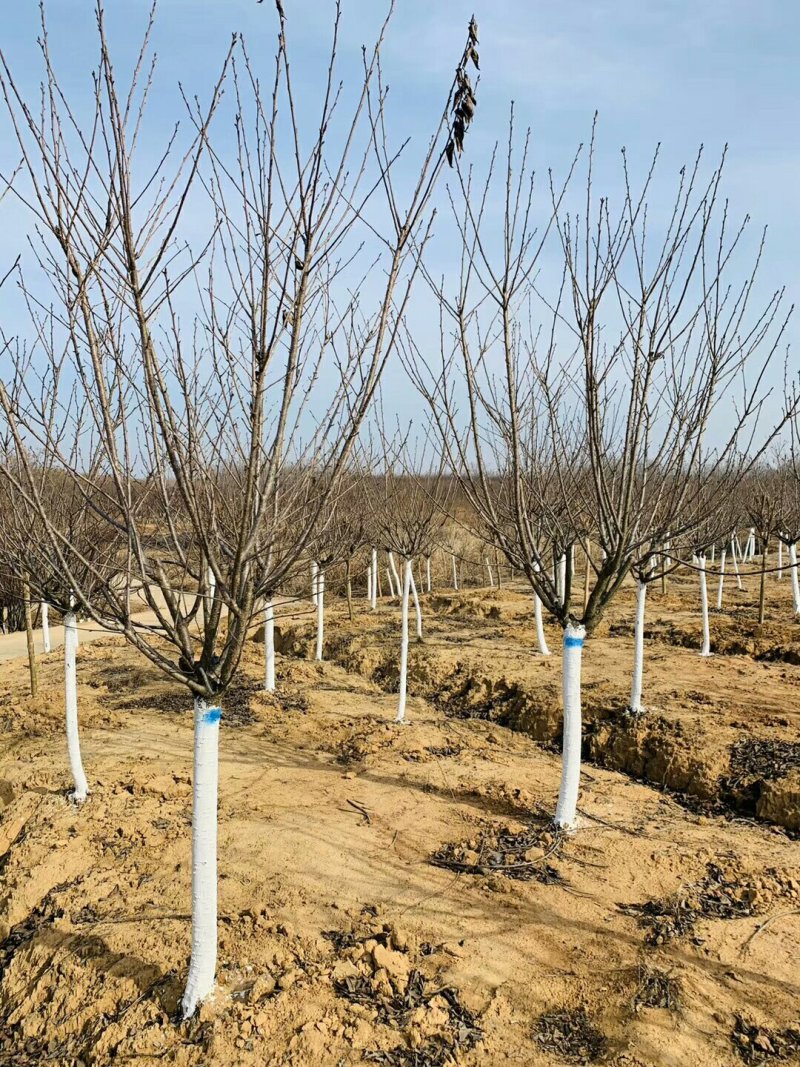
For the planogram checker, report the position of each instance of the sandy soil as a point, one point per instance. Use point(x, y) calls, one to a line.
point(340, 941)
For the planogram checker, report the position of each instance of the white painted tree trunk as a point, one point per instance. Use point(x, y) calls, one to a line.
point(638, 650)
point(701, 564)
point(795, 579)
point(735, 563)
point(269, 647)
point(391, 583)
point(320, 613)
point(395, 574)
point(81, 790)
point(45, 612)
point(541, 642)
point(428, 574)
point(455, 574)
point(566, 809)
point(721, 585)
point(562, 577)
point(374, 579)
point(369, 584)
point(713, 550)
point(203, 964)
point(314, 582)
point(401, 702)
point(489, 571)
point(417, 608)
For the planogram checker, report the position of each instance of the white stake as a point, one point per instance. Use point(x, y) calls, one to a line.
point(401, 704)
point(45, 627)
point(320, 612)
point(203, 964)
point(722, 555)
point(81, 790)
point(706, 649)
point(269, 647)
point(571, 765)
point(374, 579)
point(638, 650)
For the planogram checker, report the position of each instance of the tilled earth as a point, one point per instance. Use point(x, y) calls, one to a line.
point(395, 894)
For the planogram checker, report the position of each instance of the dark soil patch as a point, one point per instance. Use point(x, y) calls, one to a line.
point(754, 761)
point(24, 932)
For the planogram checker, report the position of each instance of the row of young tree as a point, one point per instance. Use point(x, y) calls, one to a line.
point(184, 414)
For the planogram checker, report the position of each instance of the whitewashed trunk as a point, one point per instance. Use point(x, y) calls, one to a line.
point(320, 613)
point(735, 563)
point(638, 650)
point(369, 584)
point(81, 790)
point(701, 564)
point(455, 574)
point(417, 608)
point(795, 579)
point(721, 584)
point(541, 641)
point(203, 963)
point(401, 702)
point(562, 577)
point(45, 612)
point(269, 647)
point(489, 571)
point(395, 574)
point(374, 579)
point(566, 809)
point(391, 582)
point(314, 582)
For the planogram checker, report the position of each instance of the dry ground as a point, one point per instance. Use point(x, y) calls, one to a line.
point(340, 941)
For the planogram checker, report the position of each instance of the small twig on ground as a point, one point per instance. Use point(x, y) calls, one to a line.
point(762, 926)
point(362, 811)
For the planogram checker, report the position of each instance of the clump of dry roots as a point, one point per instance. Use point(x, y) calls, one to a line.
point(570, 1035)
point(523, 855)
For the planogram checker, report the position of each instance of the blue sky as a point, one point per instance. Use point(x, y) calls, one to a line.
point(680, 72)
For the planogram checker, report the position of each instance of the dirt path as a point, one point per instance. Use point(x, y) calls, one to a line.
point(338, 937)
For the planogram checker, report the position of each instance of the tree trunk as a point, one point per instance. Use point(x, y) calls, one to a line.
point(32, 665)
point(320, 601)
point(45, 612)
point(401, 703)
point(269, 647)
point(721, 585)
point(706, 649)
point(417, 607)
point(203, 964)
point(763, 590)
point(81, 790)
point(571, 766)
point(638, 650)
point(349, 586)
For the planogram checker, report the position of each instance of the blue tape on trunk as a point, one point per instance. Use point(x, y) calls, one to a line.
point(212, 715)
point(573, 642)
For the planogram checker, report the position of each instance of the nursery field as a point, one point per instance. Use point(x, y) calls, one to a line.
point(396, 894)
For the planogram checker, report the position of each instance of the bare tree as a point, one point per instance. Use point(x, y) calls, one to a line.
point(601, 417)
point(182, 418)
